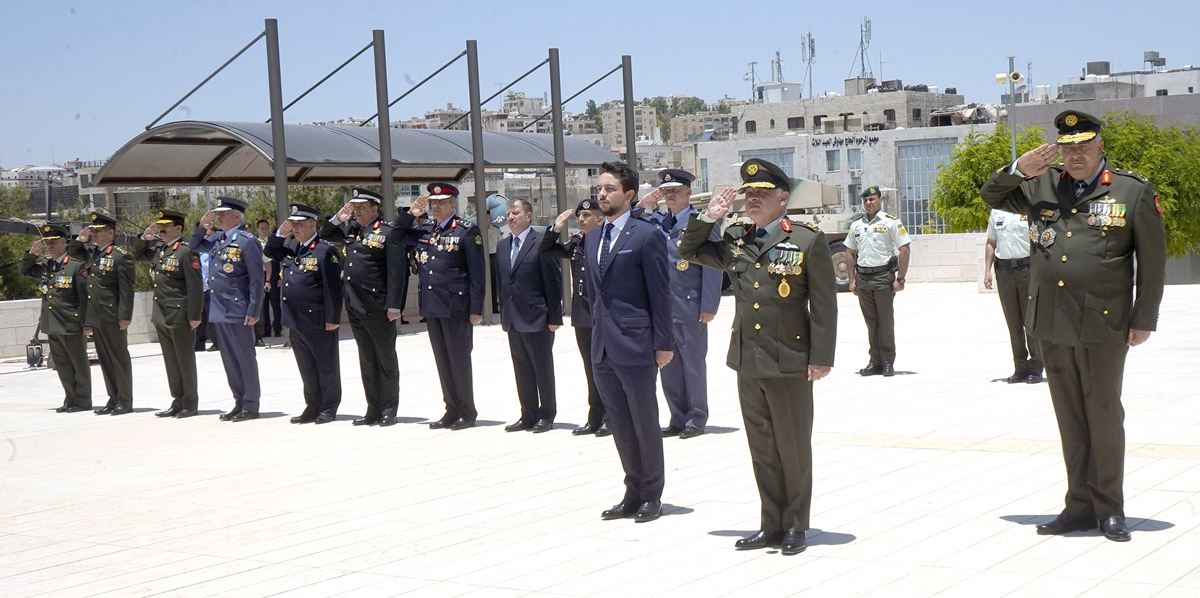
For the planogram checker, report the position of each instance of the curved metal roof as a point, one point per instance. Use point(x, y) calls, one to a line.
point(197, 153)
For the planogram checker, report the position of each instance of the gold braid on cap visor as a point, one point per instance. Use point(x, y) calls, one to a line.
point(759, 185)
point(1076, 137)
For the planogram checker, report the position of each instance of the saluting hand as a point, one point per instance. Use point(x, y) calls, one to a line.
point(37, 247)
point(206, 221)
point(418, 206)
point(1038, 160)
point(346, 213)
point(560, 223)
point(85, 234)
point(151, 232)
point(285, 229)
point(650, 201)
point(720, 203)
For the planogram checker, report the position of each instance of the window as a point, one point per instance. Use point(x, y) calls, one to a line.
point(918, 164)
point(1160, 92)
point(916, 114)
point(854, 159)
point(703, 175)
point(781, 157)
point(751, 127)
point(889, 115)
point(817, 121)
point(795, 122)
point(833, 160)
point(772, 123)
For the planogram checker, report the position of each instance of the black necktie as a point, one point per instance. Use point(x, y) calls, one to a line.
point(605, 241)
point(668, 223)
point(760, 236)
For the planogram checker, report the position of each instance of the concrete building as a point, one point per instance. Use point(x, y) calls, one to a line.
point(865, 107)
point(644, 125)
point(438, 119)
point(579, 124)
point(702, 126)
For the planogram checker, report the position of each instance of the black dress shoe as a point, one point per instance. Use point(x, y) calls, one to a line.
point(690, 432)
point(621, 510)
point(228, 417)
point(184, 413)
point(403, 321)
point(871, 370)
point(1114, 528)
point(793, 543)
point(1033, 378)
point(105, 410)
point(649, 511)
point(1066, 523)
point(366, 420)
point(462, 424)
point(585, 429)
point(671, 431)
point(120, 410)
point(542, 425)
point(518, 426)
point(325, 417)
point(304, 419)
point(603, 430)
point(62, 409)
point(439, 424)
point(760, 540)
point(74, 409)
point(172, 412)
point(1016, 378)
point(245, 416)
point(388, 418)
point(888, 371)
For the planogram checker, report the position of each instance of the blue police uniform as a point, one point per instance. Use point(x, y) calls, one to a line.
point(235, 279)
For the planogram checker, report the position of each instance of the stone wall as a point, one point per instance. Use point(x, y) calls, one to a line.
point(18, 320)
point(946, 258)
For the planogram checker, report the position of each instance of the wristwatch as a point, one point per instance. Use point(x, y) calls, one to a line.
point(900, 280)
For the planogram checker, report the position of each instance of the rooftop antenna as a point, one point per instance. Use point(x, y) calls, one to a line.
point(777, 68)
point(752, 77)
point(808, 53)
point(864, 40)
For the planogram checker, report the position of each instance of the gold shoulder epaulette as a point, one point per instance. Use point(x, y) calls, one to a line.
point(1129, 173)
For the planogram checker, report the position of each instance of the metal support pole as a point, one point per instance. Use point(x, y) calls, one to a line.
point(206, 80)
point(1012, 107)
point(630, 139)
point(46, 190)
point(279, 156)
point(110, 199)
point(560, 162)
point(481, 213)
point(385, 127)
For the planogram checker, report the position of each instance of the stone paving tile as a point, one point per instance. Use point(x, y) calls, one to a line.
point(926, 484)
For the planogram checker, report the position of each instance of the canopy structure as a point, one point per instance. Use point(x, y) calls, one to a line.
point(199, 153)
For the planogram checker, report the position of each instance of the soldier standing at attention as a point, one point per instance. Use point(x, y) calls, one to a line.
point(450, 256)
point(61, 281)
point(236, 279)
point(1092, 222)
point(877, 247)
point(109, 310)
point(587, 216)
point(312, 309)
point(696, 294)
point(784, 332)
point(178, 305)
point(372, 287)
point(1008, 248)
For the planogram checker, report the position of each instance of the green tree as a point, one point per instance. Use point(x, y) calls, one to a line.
point(12, 247)
point(1168, 157)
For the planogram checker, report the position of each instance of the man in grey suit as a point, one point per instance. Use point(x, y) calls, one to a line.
point(530, 312)
point(631, 337)
point(696, 295)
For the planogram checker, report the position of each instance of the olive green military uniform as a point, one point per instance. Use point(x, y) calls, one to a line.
point(786, 301)
point(178, 299)
point(1081, 308)
point(110, 299)
point(1010, 232)
point(64, 300)
point(876, 243)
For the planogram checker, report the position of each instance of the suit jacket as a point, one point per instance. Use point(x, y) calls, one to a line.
point(695, 289)
point(1082, 256)
point(63, 285)
point(450, 263)
point(178, 288)
point(235, 274)
point(581, 306)
point(312, 286)
point(530, 288)
point(778, 329)
point(376, 265)
point(631, 295)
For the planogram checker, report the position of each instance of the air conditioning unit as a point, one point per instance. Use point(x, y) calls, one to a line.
point(856, 173)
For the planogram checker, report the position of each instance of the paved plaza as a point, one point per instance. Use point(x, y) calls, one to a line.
point(928, 483)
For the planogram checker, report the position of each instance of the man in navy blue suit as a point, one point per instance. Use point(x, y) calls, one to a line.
point(631, 338)
point(530, 312)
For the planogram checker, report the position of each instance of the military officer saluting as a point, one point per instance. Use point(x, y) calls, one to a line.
point(311, 309)
point(877, 248)
point(784, 331)
point(61, 281)
point(178, 305)
point(373, 287)
point(236, 277)
point(451, 261)
point(109, 309)
point(1092, 222)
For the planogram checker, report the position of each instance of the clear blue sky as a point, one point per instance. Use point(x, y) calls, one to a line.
point(81, 78)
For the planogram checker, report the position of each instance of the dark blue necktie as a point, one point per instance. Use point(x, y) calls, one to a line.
point(605, 241)
point(668, 223)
